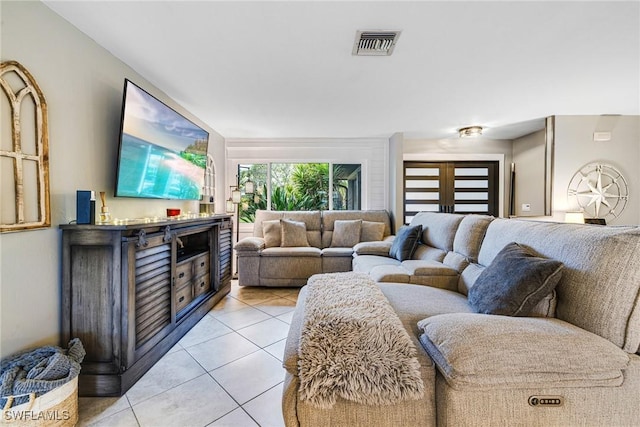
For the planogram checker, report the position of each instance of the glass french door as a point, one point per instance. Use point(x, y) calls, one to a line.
point(460, 187)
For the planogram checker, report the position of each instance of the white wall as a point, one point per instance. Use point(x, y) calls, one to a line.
point(82, 83)
point(396, 196)
point(372, 153)
point(574, 148)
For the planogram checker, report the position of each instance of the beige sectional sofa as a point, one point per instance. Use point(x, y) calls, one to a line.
point(263, 262)
point(574, 360)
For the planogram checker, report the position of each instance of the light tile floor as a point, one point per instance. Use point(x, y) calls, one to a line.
point(226, 371)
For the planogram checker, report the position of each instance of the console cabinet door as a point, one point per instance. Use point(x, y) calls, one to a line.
point(149, 277)
point(91, 283)
point(224, 254)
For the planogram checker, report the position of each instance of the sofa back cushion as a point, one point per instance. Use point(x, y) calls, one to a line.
point(330, 217)
point(438, 232)
point(470, 235)
point(600, 286)
point(311, 219)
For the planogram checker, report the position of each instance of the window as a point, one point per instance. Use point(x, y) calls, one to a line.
point(347, 180)
point(298, 186)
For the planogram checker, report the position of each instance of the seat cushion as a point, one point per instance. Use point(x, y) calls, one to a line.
point(365, 263)
point(428, 268)
point(390, 273)
point(416, 302)
point(292, 252)
point(483, 351)
point(337, 252)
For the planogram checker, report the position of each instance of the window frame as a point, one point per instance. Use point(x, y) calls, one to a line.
point(233, 176)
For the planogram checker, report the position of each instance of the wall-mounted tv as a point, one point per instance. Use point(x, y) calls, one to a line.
point(162, 154)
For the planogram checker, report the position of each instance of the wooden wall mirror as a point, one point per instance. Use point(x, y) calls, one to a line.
point(24, 151)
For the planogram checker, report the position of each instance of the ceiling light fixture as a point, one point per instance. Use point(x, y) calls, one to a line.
point(470, 131)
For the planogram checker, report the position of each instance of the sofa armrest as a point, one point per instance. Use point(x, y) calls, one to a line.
point(475, 350)
point(250, 244)
point(372, 248)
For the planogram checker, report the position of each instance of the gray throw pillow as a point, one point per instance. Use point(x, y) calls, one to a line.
point(294, 233)
point(515, 282)
point(346, 233)
point(272, 233)
point(405, 242)
point(372, 231)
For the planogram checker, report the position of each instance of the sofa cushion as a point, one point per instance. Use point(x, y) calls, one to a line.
point(455, 261)
point(250, 244)
point(545, 308)
point(294, 233)
point(337, 252)
point(426, 252)
point(365, 263)
point(372, 231)
point(468, 277)
point(294, 251)
point(346, 233)
point(312, 221)
point(272, 233)
point(389, 273)
point(373, 248)
point(470, 235)
point(428, 268)
point(515, 282)
point(477, 350)
point(261, 216)
point(405, 243)
point(438, 230)
point(330, 217)
point(416, 302)
point(600, 286)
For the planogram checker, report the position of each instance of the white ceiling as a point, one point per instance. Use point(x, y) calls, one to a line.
point(284, 69)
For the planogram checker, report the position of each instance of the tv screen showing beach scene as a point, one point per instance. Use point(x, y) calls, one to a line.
point(162, 154)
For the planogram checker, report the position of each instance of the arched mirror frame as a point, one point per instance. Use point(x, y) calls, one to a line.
point(26, 217)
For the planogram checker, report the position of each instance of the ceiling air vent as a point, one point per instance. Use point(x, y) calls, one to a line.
point(375, 43)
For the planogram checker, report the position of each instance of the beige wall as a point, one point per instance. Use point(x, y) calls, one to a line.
point(575, 147)
point(529, 159)
point(82, 83)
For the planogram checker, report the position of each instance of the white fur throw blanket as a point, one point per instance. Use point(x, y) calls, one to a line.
point(353, 345)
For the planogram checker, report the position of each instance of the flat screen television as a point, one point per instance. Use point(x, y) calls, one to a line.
point(162, 154)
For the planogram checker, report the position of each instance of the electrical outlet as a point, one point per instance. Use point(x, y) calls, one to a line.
point(526, 207)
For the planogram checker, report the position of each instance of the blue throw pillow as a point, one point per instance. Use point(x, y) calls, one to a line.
point(405, 242)
point(514, 283)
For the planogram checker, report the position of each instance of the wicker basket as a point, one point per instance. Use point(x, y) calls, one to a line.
point(57, 408)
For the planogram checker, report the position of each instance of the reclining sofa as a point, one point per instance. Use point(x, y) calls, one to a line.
point(311, 248)
point(572, 359)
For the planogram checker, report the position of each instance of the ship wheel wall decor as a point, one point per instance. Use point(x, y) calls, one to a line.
point(24, 151)
point(599, 190)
